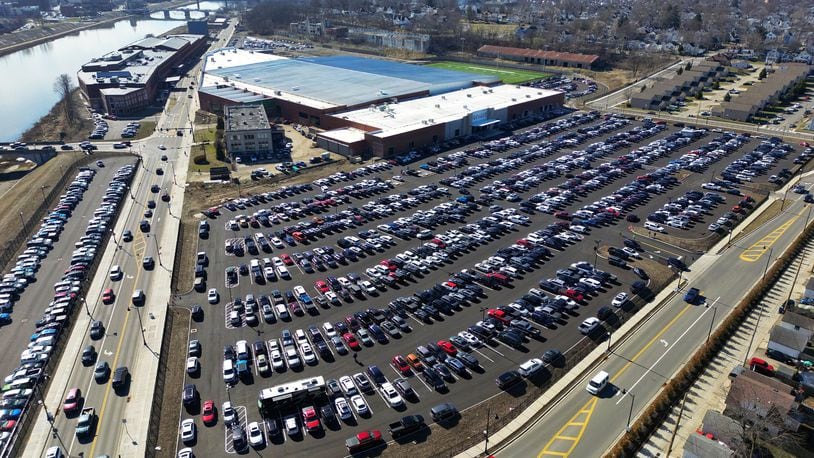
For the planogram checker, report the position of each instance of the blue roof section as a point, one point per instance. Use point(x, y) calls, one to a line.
point(393, 69)
point(348, 81)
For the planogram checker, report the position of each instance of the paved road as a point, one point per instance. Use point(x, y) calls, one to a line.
point(586, 425)
point(213, 334)
point(29, 309)
point(125, 344)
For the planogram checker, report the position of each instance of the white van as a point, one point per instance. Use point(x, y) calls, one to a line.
point(598, 383)
point(229, 375)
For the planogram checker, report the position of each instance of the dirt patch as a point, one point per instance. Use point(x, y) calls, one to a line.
point(173, 380)
point(695, 245)
point(770, 212)
point(11, 166)
point(50, 126)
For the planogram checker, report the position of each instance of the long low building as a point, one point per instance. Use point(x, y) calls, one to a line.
point(676, 88)
point(368, 106)
point(131, 78)
point(742, 107)
point(540, 57)
point(395, 128)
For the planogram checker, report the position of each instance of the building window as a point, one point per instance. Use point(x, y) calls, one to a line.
point(457, 132)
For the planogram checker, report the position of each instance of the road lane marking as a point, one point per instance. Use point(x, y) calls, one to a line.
point(591, 404)
point(754, 252)
point(649, 369)
point(580, 420)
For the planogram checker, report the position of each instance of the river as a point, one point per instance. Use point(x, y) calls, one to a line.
point(28, 75)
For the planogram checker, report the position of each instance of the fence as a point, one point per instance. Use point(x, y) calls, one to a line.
point(30, 412)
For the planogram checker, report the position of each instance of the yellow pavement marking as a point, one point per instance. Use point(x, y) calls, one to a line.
point(140, 238)
point(587, 410)
point(754, 252)
point(580, 419)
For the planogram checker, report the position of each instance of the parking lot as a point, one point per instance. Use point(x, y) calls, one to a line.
point(575, 186)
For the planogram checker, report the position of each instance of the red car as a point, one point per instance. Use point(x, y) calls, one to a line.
point(310, 419)
point(8, 425)
point(72, 400)
point(448, 347)
point(108, 296)
point(574, 294)
point(287, 259)
point(350, 339)
point(209, 415)
point(401, 364)
point(499, 315)
point(761, 366)
point(321, 286)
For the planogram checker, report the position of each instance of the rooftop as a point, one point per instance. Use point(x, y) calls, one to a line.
point(797, 320)
point(246, 117)
point(330, 82)
point(346, 135)
point(792, 338)
point(396, 118)
point(134, 63)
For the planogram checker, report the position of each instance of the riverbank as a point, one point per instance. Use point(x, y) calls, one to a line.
point(12, 42)
point(49, 127)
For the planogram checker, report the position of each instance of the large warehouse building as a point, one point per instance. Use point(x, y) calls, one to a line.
point(341, 95)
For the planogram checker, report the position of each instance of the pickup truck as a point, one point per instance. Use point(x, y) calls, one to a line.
point(407, 425)
point(363, 441)
point(86, 420)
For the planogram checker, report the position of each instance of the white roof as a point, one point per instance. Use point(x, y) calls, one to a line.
point(396, 118)
point(346, 135)
point(232, 57)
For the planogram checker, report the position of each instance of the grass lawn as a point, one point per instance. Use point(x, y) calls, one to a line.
point(508, 75)
point(204, 156)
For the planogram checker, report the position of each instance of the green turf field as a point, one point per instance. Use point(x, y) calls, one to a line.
point(508, 75)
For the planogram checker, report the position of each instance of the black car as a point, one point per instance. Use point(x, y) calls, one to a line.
point(88, 355)
point(552, 355)
point(508, 379)
point(97, 330)
point(641, 273)
point(190, 395)
point(197, 313)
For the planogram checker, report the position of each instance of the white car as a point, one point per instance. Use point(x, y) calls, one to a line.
point(277, 262)
point(282, 271)
point(193, 366)
point(470, 339)
point(619, 300)
point(228, 412)
point(291, 426)
point(589, 325)
point(256, 438)
point(277, 362)
point(348, 386)
point(116, 273)
point(530, 367)
point(212, 296)
point(359, 404)
point(343, 409)
point(368, 287)
point(329, 329)
point(308, 354)
point(631, 252)
point(229, 373)
point(277, 242)
point(590, 282)
point(579, 229)
point(391, 395)
point(188, 430)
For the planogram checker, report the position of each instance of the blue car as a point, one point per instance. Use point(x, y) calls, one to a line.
point(10, 414)
point(691, 296)
point(5, 318)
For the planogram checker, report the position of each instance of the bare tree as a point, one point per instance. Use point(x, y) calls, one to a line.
point(64, 87)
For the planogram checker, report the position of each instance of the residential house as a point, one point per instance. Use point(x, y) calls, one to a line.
point(787, 343)
point(796, 321)
point(757, 398)
point(718, 437)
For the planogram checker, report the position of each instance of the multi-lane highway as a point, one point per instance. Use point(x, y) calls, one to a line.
point(585, 425)
point(132, 334)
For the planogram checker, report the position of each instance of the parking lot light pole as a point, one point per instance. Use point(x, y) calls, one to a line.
point(22, 223)
point(87, 309)
point(712, 322)
point(486, 432)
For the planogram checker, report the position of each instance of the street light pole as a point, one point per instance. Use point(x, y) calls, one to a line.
point(630, 412)
point(21, 219)
point(712, 322)
point(49, 418)
point(141, 326)
point(87, 309)
point(486, 432)
point(157, 251)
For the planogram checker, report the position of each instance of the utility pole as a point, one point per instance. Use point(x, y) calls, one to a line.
point(678, 421)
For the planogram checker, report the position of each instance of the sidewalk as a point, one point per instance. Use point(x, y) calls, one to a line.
point(709, 391)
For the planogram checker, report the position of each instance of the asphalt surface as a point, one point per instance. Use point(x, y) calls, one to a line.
point(585, 425)
point(15, 335)
point(213, 333)
point(123, 321)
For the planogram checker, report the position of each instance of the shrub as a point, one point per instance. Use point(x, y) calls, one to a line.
point(200, 159)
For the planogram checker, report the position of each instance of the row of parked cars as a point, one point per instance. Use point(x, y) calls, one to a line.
point(20, 384)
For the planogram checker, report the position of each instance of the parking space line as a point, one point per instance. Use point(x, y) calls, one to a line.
point(499, 353)
point(480, 353)
point(421, 379)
